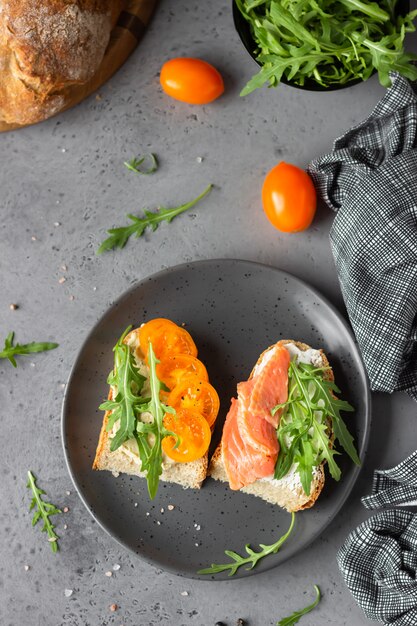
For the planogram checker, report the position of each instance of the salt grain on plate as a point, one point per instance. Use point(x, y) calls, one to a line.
point(162, 510)
point(116, 567)
point(62, 280)
point(170, 507)
point(158, 522)
point(65, 509)
point(72, 297)
point(65, 526)
point(197, 527)
point(68, 493)
point(184, 593)
point(147, 514)
point(64, 268)
point(52, 539)
point(68, 593)
point(13, 307)
point(33, 238)
point(199, 159)
point(26, 568)
point(108, 574)
point(196, 545)
point(56, 224)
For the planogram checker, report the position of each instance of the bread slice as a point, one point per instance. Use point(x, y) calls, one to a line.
point(287, 492)
point(125, 461)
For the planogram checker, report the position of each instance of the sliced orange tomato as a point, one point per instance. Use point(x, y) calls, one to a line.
point(289, 198)
point(150, 328)
point(191, 80)
point(194, 432)
point(167, 339)
point(174, 368)
point(198, 395)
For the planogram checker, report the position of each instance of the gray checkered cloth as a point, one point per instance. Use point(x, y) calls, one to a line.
point(394, 486)
point(370, 180)
point(378, 561)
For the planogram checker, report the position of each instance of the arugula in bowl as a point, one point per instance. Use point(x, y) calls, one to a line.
point(328, 43)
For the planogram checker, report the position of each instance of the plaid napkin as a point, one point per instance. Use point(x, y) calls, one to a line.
point(378, 561)
point(370, 180)
point(394, 486)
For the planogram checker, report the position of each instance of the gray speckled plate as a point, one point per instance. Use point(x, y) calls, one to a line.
point(233, 309)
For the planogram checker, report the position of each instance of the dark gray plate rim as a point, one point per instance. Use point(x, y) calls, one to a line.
point(292, 549)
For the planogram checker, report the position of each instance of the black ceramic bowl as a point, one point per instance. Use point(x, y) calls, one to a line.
point(243, 29)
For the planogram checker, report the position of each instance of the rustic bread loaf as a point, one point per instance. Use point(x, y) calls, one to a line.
point(46, 46)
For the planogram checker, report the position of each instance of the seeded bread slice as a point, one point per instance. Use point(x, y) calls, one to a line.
point(286, 492)
point(121, 461)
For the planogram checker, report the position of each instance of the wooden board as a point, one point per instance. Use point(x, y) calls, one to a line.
point(124, 38)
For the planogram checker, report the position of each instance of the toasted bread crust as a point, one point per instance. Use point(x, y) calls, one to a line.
point(280, 491)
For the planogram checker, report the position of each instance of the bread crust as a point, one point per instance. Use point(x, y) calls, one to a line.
point(189, 475)
point(47, 46)
point(278, 491)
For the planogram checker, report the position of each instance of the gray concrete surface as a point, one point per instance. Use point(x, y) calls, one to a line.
point(69, 171)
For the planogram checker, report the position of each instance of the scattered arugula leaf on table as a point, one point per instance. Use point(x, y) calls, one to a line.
point(128, 405)
point(308, 419)
point(11, 350)
point(297, 615)
point(44, 511)
point(331, 42)
point(134, 165)
point(120, 236)
point(251, 560)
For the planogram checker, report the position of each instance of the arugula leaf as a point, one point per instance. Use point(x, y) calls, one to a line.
point(308, 418)
point(10, 351)
point(158, 410)
point(330, 42)
point(128, 406)
point(44, 511)
point(305, 462)
point(134, 165)
point(253, 558)
point(295, 617)
point(120, 236)
point(368, 8)
point(126, 378)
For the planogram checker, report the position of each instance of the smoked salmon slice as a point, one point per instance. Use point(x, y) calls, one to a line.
point(249, 443)
point(254, 429)
point(271, 385)
point(244, 464)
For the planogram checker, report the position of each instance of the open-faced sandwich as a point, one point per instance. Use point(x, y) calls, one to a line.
point(160, 410)
point(281, 429)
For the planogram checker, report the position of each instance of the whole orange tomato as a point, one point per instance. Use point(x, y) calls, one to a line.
point(191, 80)
point(289, 198)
